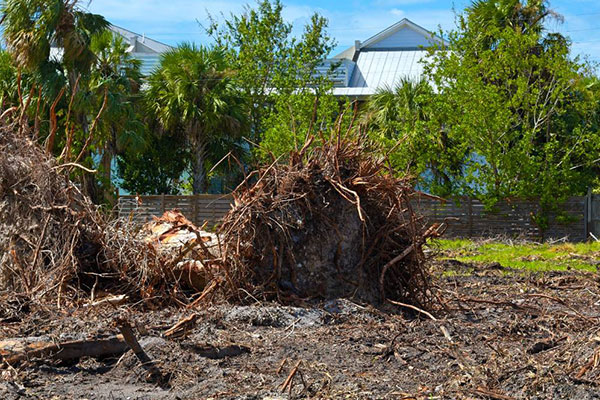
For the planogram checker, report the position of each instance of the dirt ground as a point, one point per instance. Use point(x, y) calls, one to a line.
point(498, 334)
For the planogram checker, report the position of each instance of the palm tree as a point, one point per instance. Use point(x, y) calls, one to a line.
point(522, 16)
point(32, 26)
point(404, 119)
point(30, 29)
point(392, 112)
point(191, 92)
point(117, 75)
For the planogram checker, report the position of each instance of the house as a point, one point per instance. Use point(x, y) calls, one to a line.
point(142, 48)
point(382, 60)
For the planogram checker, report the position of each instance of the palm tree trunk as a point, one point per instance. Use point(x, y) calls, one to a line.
point(106, 162)
point(198, 169)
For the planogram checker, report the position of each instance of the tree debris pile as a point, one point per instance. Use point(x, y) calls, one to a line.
point(56, 245)
point(333, 222)
point(50, 230)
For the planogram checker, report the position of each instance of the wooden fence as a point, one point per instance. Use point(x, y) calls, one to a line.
point(197, 208)
point(465, 217)
point(468, 217)
point(592, 215)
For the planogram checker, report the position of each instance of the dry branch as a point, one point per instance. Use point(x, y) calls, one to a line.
point(154, 374)
point(15, 351)
point(182, 328)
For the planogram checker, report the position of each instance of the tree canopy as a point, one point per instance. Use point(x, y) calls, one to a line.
point(287, 96)
point(506, 110)
point(192, 93)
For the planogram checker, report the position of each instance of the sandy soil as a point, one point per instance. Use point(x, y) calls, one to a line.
point(498, 334)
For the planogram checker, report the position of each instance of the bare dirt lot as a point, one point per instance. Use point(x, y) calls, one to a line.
point(497, 334)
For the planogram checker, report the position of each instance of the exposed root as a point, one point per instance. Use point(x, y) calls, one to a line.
point(333, 222)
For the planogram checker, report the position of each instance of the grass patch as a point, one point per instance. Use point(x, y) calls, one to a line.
point(529, 256)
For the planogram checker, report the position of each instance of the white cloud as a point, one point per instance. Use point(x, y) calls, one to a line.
point(293, 13)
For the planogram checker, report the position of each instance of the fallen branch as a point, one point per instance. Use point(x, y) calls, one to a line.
point(181, 328)
point(492, 395)
point(15, 351)
point(112, 300)
point(594, 360)
point(397, 303)
point(442, 327)
point(154, 374)
point(288, 382)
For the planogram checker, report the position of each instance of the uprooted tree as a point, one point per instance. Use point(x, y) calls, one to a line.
point(55, 243)
point(331, 222)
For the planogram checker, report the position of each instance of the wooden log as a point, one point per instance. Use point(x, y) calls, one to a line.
point(15, 351)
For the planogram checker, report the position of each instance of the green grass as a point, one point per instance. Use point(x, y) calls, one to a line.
point(529, 256)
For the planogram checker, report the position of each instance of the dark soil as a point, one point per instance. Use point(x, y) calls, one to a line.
point(498, 335)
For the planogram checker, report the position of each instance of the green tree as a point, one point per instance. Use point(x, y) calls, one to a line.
point(279, 74)
point(158, 168)
point(8, 81)
point(406, 121)
point(192, 93)
point(510, 92)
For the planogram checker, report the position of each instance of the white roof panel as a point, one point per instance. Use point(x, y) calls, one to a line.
point(379, 69)
point(149, 45)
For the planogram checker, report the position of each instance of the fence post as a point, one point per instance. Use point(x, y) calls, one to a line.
point(213, 215)
point(195, 200)
point(586, 227)
point(590, 218)
point(470, 208)
point(116, 210)
point(162, 204)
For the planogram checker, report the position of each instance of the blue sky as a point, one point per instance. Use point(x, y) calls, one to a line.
point(174, 21)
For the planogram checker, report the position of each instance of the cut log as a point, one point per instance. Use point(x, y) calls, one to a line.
point(15, 351)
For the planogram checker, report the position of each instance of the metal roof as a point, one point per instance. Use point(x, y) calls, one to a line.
point(143, 48)
point(380, 69)
point(386, 58)
point(143, 43)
